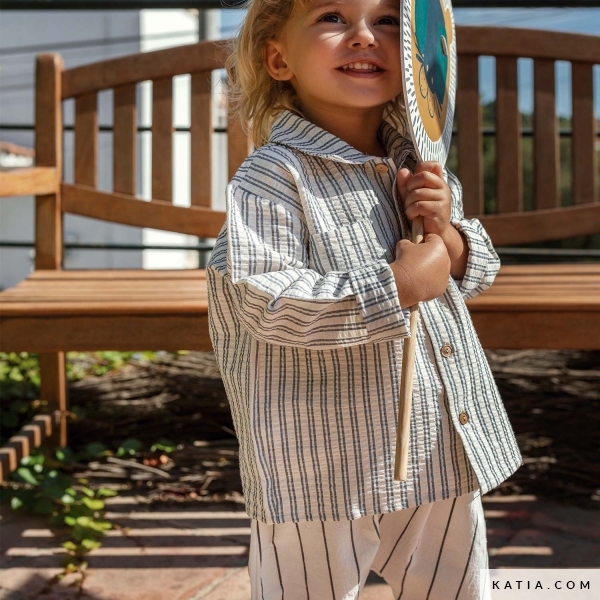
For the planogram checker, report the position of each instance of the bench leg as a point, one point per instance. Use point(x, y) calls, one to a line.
point(53, 385)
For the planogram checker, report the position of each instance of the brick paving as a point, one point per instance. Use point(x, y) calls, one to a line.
point(200, 551)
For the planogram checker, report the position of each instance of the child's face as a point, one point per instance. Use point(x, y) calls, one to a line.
point(340, 54)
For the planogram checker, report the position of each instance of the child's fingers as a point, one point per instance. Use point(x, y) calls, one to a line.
point(425, 179)
point(430, 166)
point(402, 179)
point(423, 199)
point(422, 208)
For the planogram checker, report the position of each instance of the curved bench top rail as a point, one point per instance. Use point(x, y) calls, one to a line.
point(205, 56)
point(159, 64)
point(527, 43)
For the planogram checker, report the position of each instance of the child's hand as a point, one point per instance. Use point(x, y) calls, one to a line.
point(421, 271)
point(426, 194)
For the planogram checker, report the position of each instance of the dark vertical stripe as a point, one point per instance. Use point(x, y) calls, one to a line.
point(354, 552)
point(441, 548)
point(262, 591)
point(400, 537)
point(277, 561)
point(468, 560)
point(328, 563)
point(375, 525)
point(405, 572)
point(303, 561)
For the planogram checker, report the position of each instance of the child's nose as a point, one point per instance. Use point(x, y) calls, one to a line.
point(363, 37)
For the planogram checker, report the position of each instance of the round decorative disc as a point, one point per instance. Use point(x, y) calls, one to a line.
point(429, 63)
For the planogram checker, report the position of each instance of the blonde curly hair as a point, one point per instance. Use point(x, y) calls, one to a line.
point(254, 96)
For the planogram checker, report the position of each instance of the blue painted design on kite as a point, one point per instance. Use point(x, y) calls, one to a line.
point(430, 27)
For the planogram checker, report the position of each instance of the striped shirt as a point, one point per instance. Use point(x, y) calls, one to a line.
point(308, 332)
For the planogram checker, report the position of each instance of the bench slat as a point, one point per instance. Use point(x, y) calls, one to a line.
point(162, 139)
point(239, 145)
point(201, 140)
point(48, 153)
point(509, 174)
point(137, 274)
point(513, 229)
point(583, 152)
point(546, 150)
point(470, 140)
point(86, 139)
point(158, 214)
point(124, 139)
point(106, 332)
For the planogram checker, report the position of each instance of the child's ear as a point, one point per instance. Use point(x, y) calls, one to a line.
point(275, 63)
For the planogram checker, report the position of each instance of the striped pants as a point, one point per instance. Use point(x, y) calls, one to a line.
point(431, 552)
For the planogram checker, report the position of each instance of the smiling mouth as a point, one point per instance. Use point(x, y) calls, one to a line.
point(361, 67)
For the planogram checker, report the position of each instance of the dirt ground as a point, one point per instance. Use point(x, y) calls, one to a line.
point(552, 398)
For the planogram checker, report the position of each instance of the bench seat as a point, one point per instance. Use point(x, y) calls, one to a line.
point(529, 306)
point(125, 309)
point(551, 306)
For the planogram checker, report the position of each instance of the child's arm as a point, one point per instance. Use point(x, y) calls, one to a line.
point(279, 298)
point(435, 193)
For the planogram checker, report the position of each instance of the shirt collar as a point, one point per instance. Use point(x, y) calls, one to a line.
point(296, 132)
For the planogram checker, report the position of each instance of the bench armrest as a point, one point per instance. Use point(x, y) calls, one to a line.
point(28, 181)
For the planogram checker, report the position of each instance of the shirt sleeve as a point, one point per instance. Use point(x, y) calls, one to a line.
point(483, 262)
point(280, 299)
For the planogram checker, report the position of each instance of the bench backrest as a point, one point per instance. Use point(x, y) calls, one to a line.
point(511, 225)
point(548, 221)
point(54, 84)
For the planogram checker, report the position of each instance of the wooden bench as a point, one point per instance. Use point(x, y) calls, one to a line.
point(54, 310)
point(544, 306)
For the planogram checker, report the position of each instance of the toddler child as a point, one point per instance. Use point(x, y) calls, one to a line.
point(309, 285)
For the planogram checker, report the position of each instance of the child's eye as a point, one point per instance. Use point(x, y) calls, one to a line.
point(330, 17)
point(388, 20)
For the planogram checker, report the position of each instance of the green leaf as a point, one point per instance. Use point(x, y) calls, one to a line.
point(71, 492)
point(25, 474)
point(164, 445)
point(67, 499)
point(88, 492)
point(70, 521)
point(32, 459)
point(69, 546)
point(106, 493)
point(93, 504)
point(15, 503)
point(89, 544)
point(84, 521)
point(129, 447)
point(101, 525)
point(65, 455)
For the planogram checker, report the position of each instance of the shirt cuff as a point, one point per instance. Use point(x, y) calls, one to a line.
point(478, 269)
point(377, 297)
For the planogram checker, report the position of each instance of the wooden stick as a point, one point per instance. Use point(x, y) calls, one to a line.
point(406, 378)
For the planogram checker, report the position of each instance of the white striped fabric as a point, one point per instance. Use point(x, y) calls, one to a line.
point(431, 552)
point(308, 333)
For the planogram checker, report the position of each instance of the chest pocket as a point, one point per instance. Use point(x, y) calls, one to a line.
point(346, 247)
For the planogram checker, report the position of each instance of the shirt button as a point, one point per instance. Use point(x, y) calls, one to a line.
point(381, 168)
point(446, 350)
point(463, 418)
